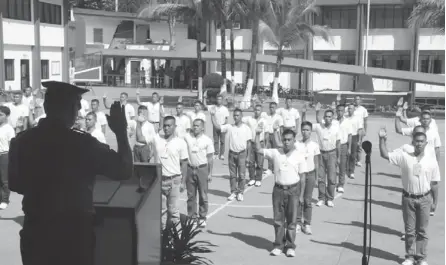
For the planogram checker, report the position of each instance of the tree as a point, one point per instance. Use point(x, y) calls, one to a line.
point(191, 10)
point(428, 14)
point(285, 25)
point(106, 5)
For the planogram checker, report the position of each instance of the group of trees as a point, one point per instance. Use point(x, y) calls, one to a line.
point(284, 24)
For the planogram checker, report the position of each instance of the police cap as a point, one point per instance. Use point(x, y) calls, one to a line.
point(64, 90)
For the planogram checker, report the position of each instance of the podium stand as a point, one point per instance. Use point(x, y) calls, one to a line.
point(128, 229)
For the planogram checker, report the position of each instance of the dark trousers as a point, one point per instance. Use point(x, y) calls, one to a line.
point(358, 149)
point(197, 181)
point(353, 155)
point(142, 153)
point(237, 169)
point(4, 188)
point(342, 164)
point(285, 203)
point(56, 242)
point(219, 137)
point(307, 208)
point(327, 175)
point(256, 163)
point(416, 221)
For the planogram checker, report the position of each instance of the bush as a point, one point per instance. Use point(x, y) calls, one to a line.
point(213, 80)
point(179, 247)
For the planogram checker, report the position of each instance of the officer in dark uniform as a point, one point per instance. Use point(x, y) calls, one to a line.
point(54, 167)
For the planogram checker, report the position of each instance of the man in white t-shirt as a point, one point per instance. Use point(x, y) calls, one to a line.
point(412, 122)
point(199, 171)
point(91, 128)
point(221, 116)
point(19, 113)
point(36, 113)
point(256, 159)
point(171, 152)
point(290, 116)
point(6, 134)
point(344, 145)
point(239, 139)
point(28, 97)
point(312, 153)
point(101, 122)
point(129, 109)
point(197, 113)
point(154, 108)
point(355, 124)
point(182, 121)
point(143, 151)
point(418, 170)
point(289, 177)
point(272, 119)
point(362, 114)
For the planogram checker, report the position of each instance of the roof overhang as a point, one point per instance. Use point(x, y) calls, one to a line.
point(316, 66)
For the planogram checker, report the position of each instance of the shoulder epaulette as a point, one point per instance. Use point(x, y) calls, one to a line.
point(79, 131)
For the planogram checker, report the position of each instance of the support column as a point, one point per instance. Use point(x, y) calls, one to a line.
point(208, 44)
point(359, 58)
point(65, 50)
point(213, 37)
point(35, 64)
point(308, 55)
point(2, 55)
point(414, 62)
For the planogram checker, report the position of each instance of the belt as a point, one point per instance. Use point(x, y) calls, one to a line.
point(170, 177)
point(236, 153)
point(197, 167)
point(286, 187)
point(415, 196)
point(329, 151)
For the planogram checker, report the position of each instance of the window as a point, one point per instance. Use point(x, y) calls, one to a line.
point(16, 9)
point(390, 61)
point(50, 14)
point(340, 57)
point(389, 16)
point(432, 63)
point(55, 68)
point(337, 17)
point(239, 66)
point(9, 69)
point(98, 36)
point(45, 69)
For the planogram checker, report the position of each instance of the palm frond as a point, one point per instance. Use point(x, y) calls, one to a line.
point(157, 11)
point(268, 34)
point(428, 14)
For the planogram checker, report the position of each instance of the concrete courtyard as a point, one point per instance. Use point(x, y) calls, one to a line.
point(242, 232)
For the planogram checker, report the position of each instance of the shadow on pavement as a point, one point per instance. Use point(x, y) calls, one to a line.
point(260, 218)
point(389, 205)
point(18, 219)
point(389, 175)
point(254, 241)
point(218, 193)
point(389, 188)
point(374, 252)
point(221, 176)
point(375, 228)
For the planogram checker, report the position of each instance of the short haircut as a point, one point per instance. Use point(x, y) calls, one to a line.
point(95, 100)
point(220, 96)
point(426, 108)
point(258, 105)
point(200, 120)
point(5, 110)
point(340, 105)
point(169, 118)
point(329, 111)
point(306, 123)
point(155, 93)
point(417, 134)
point(91, 113)
point(125, 94)
point(18, 92)
point(287, 132)
point(180, 104)
point(142, 107)
point(272, 103)
point(426, 113)
point(418, 127)
point(238, 110)
point(197, 101)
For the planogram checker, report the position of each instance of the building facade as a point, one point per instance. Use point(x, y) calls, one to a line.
point(32, 42)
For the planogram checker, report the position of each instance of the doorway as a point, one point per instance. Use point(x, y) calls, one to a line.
point(24, 74)
point(135, 67)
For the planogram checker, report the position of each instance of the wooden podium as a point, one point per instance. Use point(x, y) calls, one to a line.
point(128, 230)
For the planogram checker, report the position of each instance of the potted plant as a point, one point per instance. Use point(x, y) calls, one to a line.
point(179, 246)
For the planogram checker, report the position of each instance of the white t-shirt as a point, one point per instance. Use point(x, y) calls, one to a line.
point(154, 110)
point(254, 123)
point(361, 113)
point(199, 148)
point(415, 121)
point(289, 116)
point(238, 136)
point(287, 167)
point(310, 149)
point(345, 128)
point(416, 172)
point(147, 131)
point(193, 116)
point(6, 134)
point(17, 111)
point(183, 123)
point(27, 100)
point(276, 118)
point(432, 136)
point(100, 120)
point(409, 148)
point(354, 123)
point(221, 114)
point(85, 106)
point(169, 153)
point(326, 137)
point(129, 111)
point(99, 135)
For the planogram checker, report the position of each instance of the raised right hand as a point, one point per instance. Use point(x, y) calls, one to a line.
point(318, 106)
point(117, 120)
point(382, 133)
